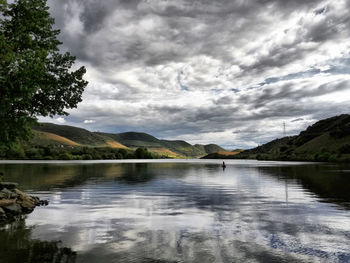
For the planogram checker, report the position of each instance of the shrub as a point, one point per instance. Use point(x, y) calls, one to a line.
point(345, 148)
point(15, 151)
point(65, 156)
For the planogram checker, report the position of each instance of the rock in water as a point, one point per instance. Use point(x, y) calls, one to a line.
point(2, 215)
point(8, 185)
point(14, 203)
point(6, 202)
point(14, 209)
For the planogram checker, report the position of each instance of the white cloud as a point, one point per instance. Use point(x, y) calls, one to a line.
point(89, 121)
point(194, 71)
point(60, 120)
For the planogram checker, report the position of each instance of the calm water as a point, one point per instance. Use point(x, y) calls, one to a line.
point(181, 211)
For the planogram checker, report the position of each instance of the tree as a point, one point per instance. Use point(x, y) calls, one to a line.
point(35, 78)
point(143, 153)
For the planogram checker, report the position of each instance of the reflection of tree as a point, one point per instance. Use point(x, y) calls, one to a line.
point(17, 246)
point(39, 176)
point(136, 173)
point(133, 173)
point(46, 176)
point(332, 186)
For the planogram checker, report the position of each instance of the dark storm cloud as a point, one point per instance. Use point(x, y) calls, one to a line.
point(167, 110)
point(173, 120)
point(185, 67)
point(223, 101)
point(176, 25)
point(282, 105)
point(290, 92)
point(331, 26)
point(94, 15)
point(298, 119)
point(246, 131)
point(298, 75)
point(278, 56)
point(337, 66)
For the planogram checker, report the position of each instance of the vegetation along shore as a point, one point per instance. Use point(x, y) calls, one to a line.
point(15, 203)
point(327, 140)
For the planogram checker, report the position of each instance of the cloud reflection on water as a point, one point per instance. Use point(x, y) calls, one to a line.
point(193, 213)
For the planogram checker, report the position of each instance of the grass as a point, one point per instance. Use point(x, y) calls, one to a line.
point(226, 153)
point(116, 145)
point(323, 141)
point(165, 152)
point(46, 138)
point(77, 136)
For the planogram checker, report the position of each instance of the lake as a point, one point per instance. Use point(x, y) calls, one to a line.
point(180, 211)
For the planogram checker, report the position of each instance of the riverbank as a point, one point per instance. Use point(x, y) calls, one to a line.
point(14, 203)
point(325, 141)
point(306, 157)
point(116, 210)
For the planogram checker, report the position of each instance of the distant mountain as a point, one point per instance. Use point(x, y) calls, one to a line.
point(48, 133)
point(210, 148)
point(181, 148)
point(46, 138)
point(133, 139)
point(78, 135)
point(326, 140)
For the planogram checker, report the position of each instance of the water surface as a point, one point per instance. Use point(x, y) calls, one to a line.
point(181, 211)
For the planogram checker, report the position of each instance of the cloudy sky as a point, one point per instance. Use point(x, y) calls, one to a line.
point(224, 71)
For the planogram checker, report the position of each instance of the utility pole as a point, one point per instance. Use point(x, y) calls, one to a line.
point(284, 129)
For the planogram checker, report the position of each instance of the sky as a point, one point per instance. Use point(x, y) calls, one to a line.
point(229, 72)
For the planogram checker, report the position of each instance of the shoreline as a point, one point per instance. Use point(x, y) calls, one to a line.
point(14, 203)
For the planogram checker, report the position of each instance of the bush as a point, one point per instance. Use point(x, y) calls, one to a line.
point(283, 148)
point(143, 153)
point(322, 157)
point(53, 152)
point(15, 151)
point(33, 153)
point(87, 157)
point(345, 149)
point(65, 156)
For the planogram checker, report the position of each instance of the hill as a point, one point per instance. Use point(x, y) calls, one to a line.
point(209, 148)
point(183, 148)
point(222, 155)
point(326, 140)
point(78, 135)
point(133, 139)
point(46, 138)
point(53, 134)
point(176, 148)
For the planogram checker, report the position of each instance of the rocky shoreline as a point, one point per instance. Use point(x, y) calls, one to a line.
point(15, 203)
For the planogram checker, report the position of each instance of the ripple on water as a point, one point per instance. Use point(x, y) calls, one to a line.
point(193, 212)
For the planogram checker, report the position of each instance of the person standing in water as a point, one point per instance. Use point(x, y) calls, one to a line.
point(223, 165)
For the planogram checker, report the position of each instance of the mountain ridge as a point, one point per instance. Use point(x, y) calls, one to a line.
point(327, 140)
point(127, 140)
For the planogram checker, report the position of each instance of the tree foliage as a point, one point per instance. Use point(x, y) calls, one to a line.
point(35, 78)
point(63, 152)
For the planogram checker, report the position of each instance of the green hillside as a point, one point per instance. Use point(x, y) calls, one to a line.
point(200, 147)
point(49, 139)
point(183, 148)
point(133, 139)
point(78, 135)
point(212, 148)
point(53, 134)
point(326, 140)
point(138, 139)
